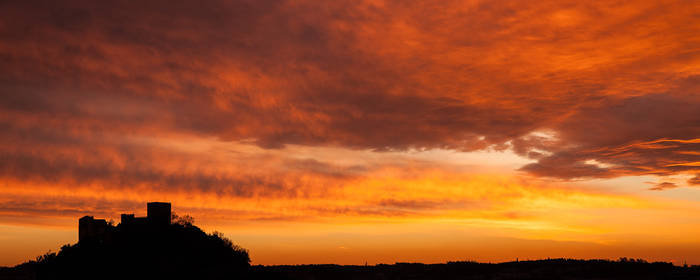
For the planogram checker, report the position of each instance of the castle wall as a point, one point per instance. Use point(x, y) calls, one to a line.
point(158, 218)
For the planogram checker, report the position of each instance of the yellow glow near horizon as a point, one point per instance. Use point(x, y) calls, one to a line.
point(396, 208)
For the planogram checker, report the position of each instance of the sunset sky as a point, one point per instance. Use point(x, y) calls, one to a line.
point(358, 131)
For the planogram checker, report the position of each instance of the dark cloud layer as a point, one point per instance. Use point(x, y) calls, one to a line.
point(615, 85)
point(652, 134)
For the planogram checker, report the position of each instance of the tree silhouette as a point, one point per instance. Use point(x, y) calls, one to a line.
point(185, 220)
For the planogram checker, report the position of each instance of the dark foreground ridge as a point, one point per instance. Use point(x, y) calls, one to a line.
point(539, 269)
point(165, 246)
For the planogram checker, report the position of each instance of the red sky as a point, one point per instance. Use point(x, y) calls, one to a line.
point(358, 131)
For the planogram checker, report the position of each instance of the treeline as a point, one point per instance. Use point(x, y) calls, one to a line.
point(623, 268)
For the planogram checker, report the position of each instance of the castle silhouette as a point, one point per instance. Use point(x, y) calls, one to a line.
point(99, 231)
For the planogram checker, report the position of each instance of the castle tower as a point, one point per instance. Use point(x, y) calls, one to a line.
point(158, 213)
point(93, 229)
point(84, 225)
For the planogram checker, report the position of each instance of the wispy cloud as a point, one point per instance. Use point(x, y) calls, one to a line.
point(663, 186)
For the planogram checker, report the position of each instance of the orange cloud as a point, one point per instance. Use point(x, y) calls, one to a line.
point(359, 75)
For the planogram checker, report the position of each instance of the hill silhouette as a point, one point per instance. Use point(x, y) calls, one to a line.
point(176, 251)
